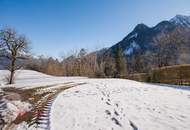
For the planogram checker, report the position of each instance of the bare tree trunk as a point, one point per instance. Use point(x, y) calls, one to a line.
point(12, 70)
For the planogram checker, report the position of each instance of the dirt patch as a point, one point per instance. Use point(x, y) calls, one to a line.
point(40, 98)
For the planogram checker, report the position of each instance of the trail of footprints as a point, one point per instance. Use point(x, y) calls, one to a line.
point(116, 113)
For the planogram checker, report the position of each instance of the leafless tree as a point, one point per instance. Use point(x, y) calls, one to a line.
point(160, 48)
point(13, 46)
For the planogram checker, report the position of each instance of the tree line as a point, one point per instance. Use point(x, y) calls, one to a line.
point(81, 64)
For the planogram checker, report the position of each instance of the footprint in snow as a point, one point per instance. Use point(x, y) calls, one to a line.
point(116, 121)
point(133, 125)
point(108, 103)
point(108, 112)
point(116, 113)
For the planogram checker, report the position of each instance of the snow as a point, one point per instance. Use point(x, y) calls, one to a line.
point(105, 104)
point(128, 51)
point(13, 109)
point(133, 36)
point(182, 20)
point(131, 48)
point(25, 126)
point(31, 79)
point(121, 105)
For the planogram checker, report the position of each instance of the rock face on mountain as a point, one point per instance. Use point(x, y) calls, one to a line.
point(4, 62)
point(141, 40)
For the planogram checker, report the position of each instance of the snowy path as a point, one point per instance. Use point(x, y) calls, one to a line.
point(111, 104)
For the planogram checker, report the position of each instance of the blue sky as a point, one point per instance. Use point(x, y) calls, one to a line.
point(55, 27)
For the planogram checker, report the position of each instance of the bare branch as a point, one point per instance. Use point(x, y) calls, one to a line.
point(12, 45)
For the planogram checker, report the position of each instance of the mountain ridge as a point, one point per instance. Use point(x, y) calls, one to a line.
point(141, 40)
point(142, 29)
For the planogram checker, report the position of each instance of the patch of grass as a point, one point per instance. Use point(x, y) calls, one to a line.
point(176, 74)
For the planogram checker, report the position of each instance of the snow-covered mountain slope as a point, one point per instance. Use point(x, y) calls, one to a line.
point(143, 36)
point(116, 104)
point(181, 20)
point(29, 78)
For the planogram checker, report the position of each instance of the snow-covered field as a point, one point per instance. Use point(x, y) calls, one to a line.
point(113, 104)
point(31, 79)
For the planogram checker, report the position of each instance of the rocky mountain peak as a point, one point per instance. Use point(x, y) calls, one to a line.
point(181, 20)
point(141, 27)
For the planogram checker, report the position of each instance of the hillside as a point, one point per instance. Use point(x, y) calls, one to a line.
point(31, 79)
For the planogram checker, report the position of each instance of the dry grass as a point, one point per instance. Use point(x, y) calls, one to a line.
point(177, 74)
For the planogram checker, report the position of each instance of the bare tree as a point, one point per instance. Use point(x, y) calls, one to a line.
point(165, 48)
point(13, 46)
point(172, 48)
point(120, 63)
point(161, 42)
point(109, 67)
